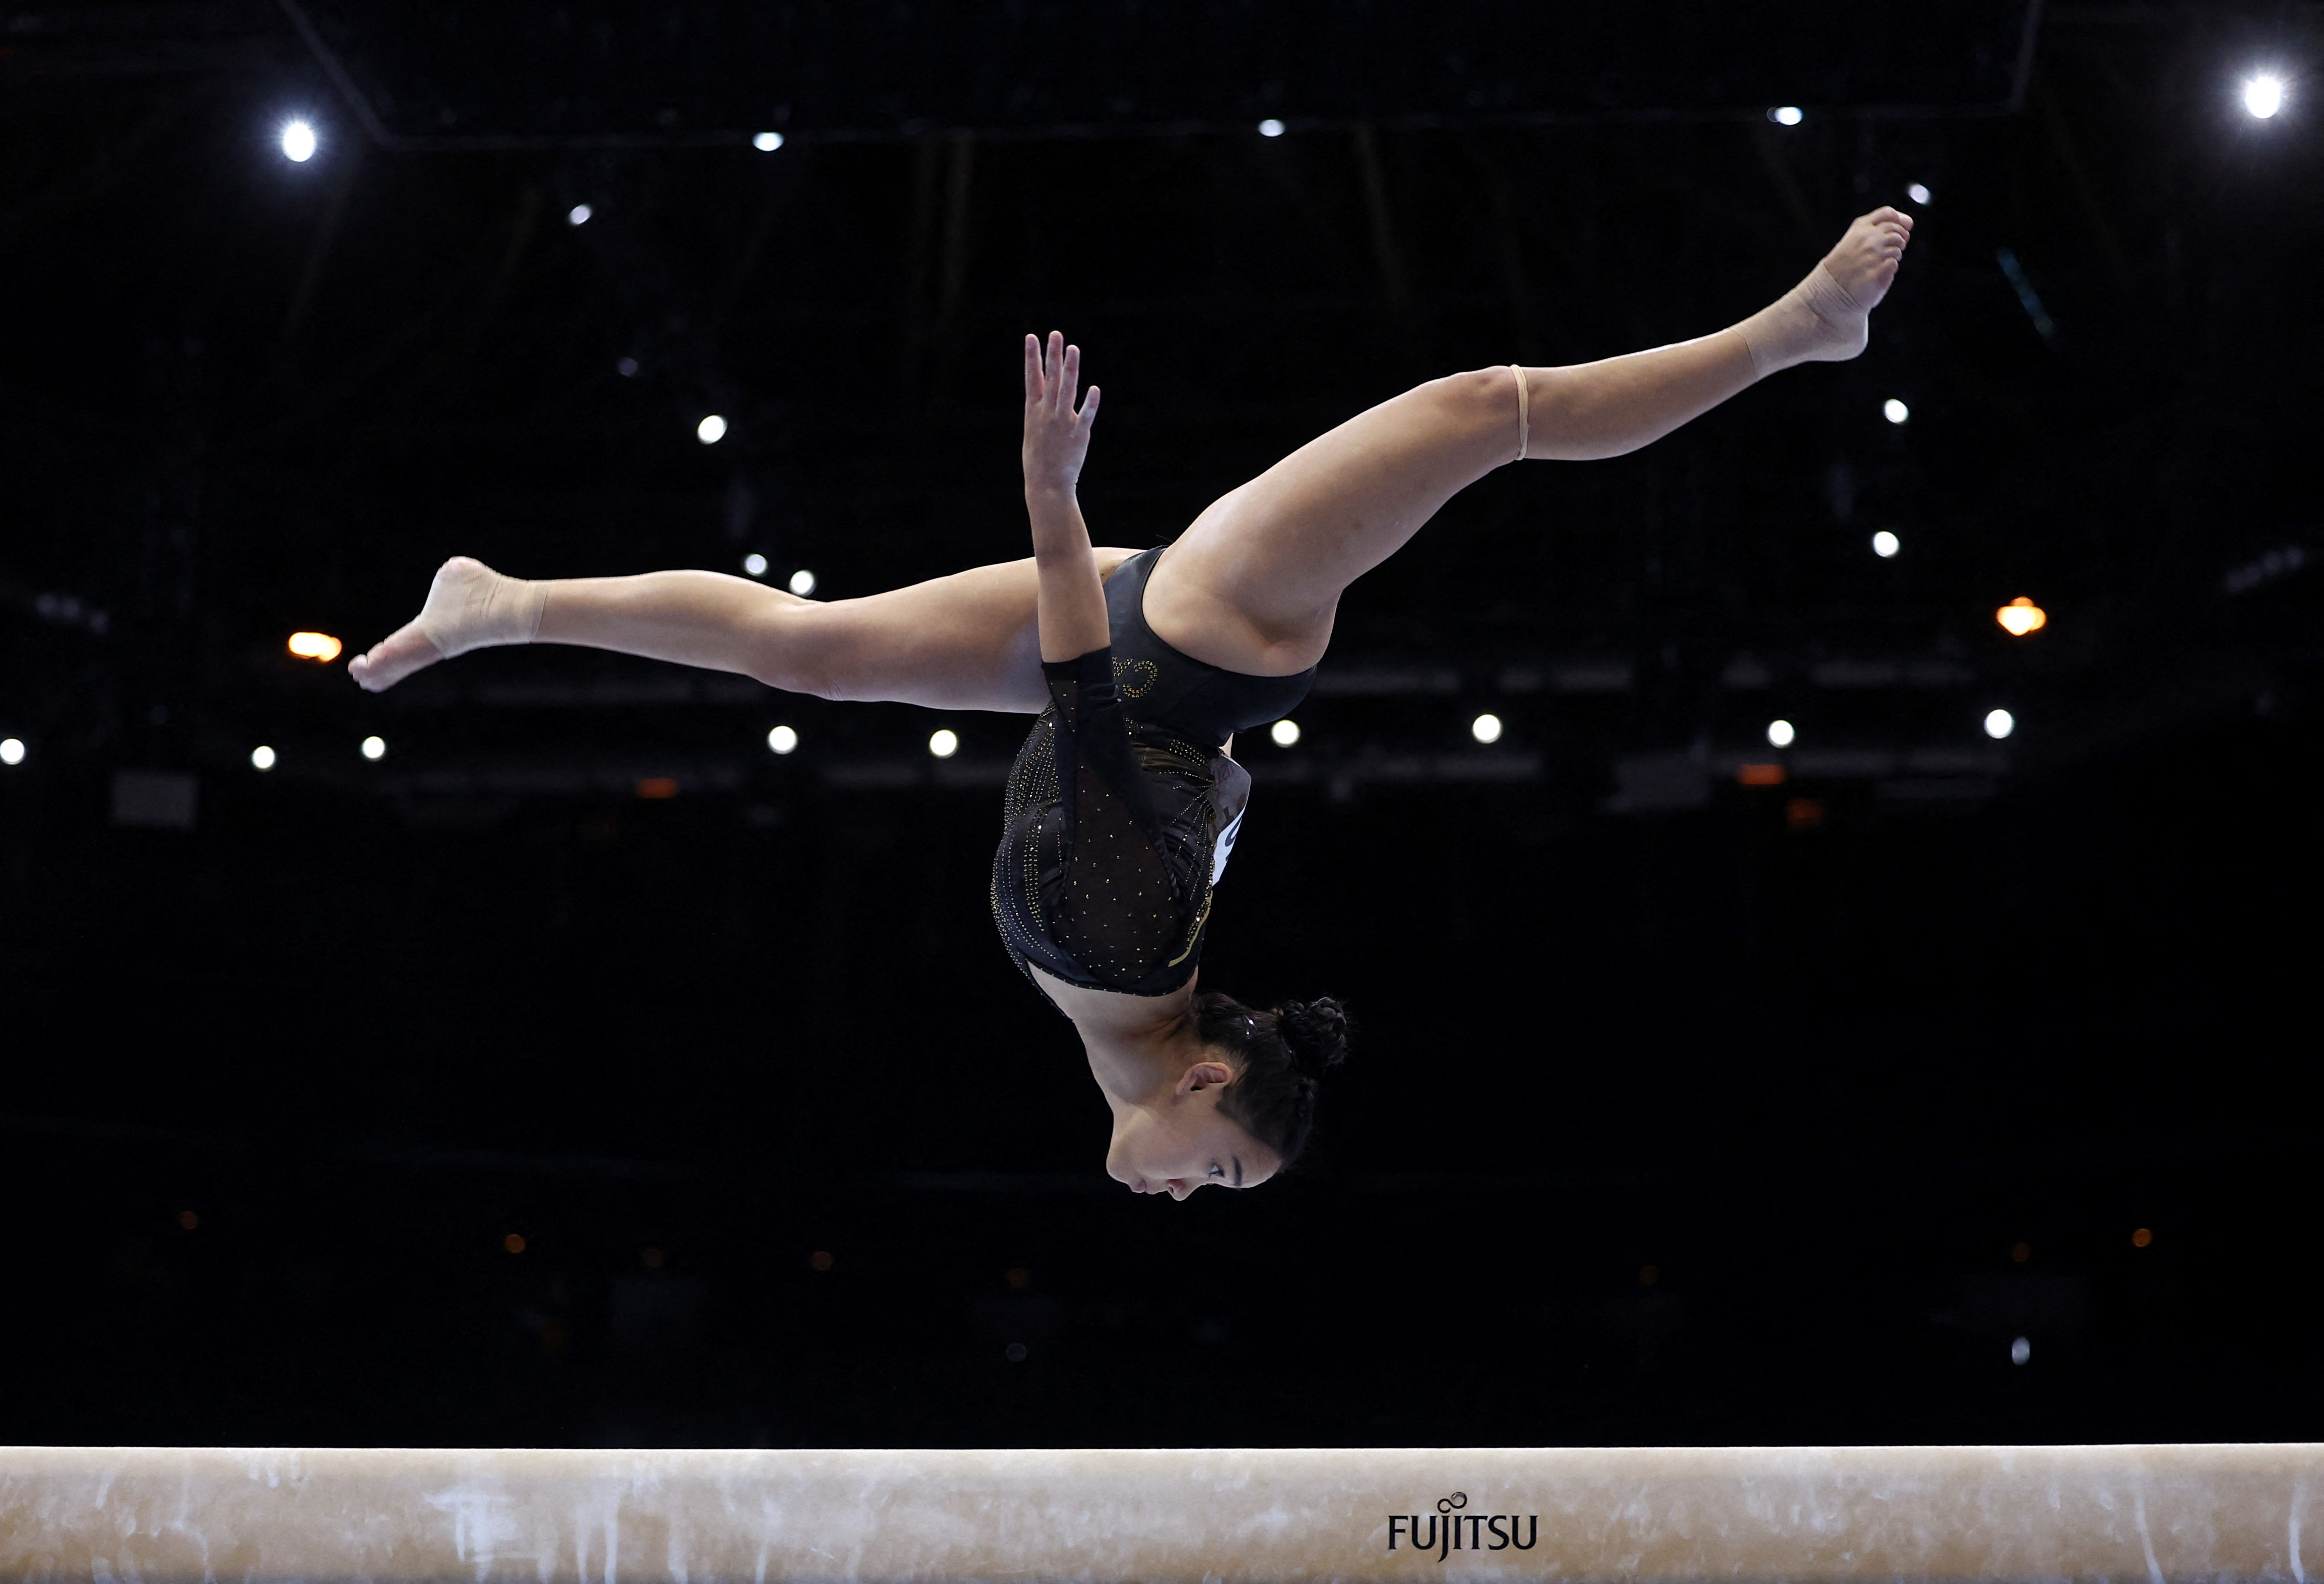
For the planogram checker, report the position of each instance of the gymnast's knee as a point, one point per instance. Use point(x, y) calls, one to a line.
point(1480, 395)
point(799, 647)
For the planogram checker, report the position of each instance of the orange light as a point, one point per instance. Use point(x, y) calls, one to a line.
point(513, 1242)
point(820, 1259)
point(2141, 1237)
point(1760, 775)
point(1803, 814)
point(658, 787)
point(2021, 616)
point(188, 1220)
point(315, 645)
point(2020, 1252)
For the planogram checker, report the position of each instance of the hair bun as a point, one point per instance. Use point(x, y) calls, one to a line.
point(1315, 1033)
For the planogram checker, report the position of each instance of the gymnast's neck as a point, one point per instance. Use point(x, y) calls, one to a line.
point(1135, 1043)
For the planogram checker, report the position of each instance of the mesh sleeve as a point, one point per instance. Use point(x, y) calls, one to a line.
point(1117, 915)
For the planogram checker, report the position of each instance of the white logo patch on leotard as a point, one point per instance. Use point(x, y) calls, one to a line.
point(1224, 849)
point(1230, 795)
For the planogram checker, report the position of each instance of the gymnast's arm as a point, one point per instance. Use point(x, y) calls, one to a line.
point(1071, 597)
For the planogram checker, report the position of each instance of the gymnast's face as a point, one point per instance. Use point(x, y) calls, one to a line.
point(1182, 1141)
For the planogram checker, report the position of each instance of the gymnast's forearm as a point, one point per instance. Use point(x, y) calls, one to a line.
point(704, 618)
point(1071, 596)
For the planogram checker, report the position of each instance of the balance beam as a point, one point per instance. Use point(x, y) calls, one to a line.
point(157, 1516)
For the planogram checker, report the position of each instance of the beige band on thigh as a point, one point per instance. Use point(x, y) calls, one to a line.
point(1524, 415)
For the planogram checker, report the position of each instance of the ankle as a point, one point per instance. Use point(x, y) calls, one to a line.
point(1816, 321)
point(470, 606)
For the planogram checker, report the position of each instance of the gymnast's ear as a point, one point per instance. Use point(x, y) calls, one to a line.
point(1202, 1075)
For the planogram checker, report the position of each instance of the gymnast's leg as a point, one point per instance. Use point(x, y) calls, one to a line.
point(966, 641)
point(1253, 585)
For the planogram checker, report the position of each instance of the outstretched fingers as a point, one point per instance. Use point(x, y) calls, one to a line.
point(1052, 378)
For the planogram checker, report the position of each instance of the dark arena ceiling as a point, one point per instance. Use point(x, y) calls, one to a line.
point(580, 952)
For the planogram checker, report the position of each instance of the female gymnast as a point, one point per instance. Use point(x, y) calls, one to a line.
point(1124, 802)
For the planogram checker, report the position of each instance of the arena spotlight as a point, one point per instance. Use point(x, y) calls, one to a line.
point(1787, 115)
point(627, 367)
point(262, 757)
point(1485, 728)
point(318, 647)
point(767, 142)
point(711, 429)
point(1886, 545)
point(1270, 127)
point(1895, 411)
point(943, 742)
point(2021, 616)
point(802, 582)
point(1917, 193)
point(298, 142)
point(1781, 734)
point(755, 563)
point(2020, 1350)
point(1999, 723)
point(12, 750)
point(2263, 95)
point(578, 215)
point(374, 749)
point(783, 739)
point(1284, 734)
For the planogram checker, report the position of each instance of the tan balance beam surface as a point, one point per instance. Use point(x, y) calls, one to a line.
point(161, 1516)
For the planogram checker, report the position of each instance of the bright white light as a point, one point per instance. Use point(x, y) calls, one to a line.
point(12, 750)
point(1780, 733)
point(2263, 95)
point(1917, 193)
point(1895, 411)
point(1886, 543)
point(782, 739)
point(375, 747)
point(802, 582)
point(2020, 1350)
point(262, 757)
point(1270, 127)
point(755, 563)
point(578, 215)
point(711, 429)
point(1485, 728)
point(1284, 732)
point(943, 742)
point(1999, 723)
point(767, 142)
point(1786, 116)
point(298, 143)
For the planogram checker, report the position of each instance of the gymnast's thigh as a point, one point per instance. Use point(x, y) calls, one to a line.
point(968, 642)
point(1253, 585)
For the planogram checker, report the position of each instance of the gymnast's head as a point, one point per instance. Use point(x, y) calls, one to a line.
point(1240, 1112)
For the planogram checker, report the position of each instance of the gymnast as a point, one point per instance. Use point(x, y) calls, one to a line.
point(1124, 803)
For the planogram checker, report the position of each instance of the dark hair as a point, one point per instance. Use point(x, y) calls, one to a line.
point(1280, 1058)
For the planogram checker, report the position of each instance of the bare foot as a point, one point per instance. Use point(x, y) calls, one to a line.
point(469, 606)
point(1826, 317)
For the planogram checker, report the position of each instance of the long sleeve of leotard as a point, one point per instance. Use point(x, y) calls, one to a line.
point(1115, 910)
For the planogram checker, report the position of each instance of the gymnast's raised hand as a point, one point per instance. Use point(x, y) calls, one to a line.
point(1125, 803)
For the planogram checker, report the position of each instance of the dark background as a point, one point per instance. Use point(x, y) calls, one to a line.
point(1684, 1110)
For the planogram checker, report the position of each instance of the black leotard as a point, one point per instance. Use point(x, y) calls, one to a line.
point(1121, 807)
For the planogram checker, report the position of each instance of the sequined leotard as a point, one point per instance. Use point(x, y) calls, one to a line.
point(1121, 807)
